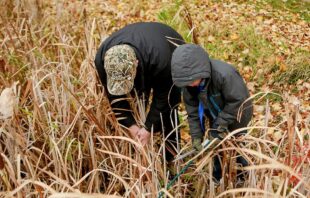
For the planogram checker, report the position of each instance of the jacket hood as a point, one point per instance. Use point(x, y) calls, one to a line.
point(189, 62)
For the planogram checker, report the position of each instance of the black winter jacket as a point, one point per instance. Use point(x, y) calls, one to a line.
point(224, 92)
point(222, 97)
point(154, 51)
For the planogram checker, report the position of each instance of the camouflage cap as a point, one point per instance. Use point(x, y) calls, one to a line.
point(120, 64)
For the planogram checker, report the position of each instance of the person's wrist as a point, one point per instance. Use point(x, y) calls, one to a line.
point(134, 129)
point(144, 136)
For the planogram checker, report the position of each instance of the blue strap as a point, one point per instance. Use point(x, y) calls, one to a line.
point(200, 113)
point(211, 112)
point(201, 110)
point(214, 104)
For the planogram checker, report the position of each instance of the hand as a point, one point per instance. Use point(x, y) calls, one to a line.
point(218, 131)
point(222, 129)
point(197, 144)
point(144, 136)
point(133, 130)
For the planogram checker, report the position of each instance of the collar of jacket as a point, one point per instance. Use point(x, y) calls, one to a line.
point(205, 85)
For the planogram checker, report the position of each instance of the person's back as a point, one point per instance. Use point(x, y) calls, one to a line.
point(226, 78)
point(150, 68)
point(150, 40)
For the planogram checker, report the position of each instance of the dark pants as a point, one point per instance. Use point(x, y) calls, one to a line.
point(170, 121)
point(171, 142)
point(217, 166)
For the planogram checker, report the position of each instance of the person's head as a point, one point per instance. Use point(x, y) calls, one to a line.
point(120, 64)
point(189, 64)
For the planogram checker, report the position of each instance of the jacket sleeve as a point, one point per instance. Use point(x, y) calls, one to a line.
point(235, 93)
point(190, 97)
point(122, 110)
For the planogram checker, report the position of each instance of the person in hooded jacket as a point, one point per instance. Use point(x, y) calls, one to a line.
point(137, 59)
point(211, 89)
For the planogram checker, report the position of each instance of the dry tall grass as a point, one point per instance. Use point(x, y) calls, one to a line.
point(63, 139)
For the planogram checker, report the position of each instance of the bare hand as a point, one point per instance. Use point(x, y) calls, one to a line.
point(133, 130)
point(144, 136)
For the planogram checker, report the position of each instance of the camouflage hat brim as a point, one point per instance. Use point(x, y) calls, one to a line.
point(119, 87)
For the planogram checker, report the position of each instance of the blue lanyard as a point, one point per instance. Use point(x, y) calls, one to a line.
point(201, 107)
point(201, 110)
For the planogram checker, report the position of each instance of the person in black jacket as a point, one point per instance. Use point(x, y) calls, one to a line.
point(212, 89)
point(138, 57)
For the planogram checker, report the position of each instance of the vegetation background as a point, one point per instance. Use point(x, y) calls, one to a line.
point(59, 138)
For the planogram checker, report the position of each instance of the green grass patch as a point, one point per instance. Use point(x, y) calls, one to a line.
point(301, 7)
point(246, 49)
point(172, 16)
point(274, 98)
point(18, 68)
point(298, 68)
point(241, 46)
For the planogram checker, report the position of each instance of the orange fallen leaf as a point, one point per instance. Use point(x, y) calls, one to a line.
point(260, 18)
point(234, 37)
point(282, 67)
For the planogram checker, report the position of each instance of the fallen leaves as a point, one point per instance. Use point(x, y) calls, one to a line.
point(277, 136)
point(282, 67)
point(276, 107)
point(247, 72)
point(251, 87)
point(211, 38)
point(234, 37)
point(246, 51)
